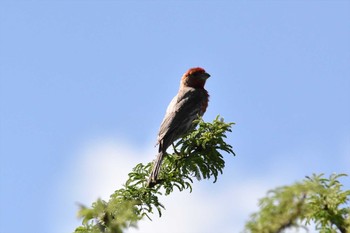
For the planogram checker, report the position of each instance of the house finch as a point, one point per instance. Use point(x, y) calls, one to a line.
point(190, 102)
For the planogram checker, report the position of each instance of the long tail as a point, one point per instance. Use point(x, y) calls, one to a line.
point(156, 168)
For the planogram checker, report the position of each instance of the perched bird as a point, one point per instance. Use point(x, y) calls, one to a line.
point(190, 102)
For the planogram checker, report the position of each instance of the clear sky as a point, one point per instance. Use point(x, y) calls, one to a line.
point(84, 86)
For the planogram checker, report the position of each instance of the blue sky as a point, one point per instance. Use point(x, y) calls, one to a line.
point(84, 86)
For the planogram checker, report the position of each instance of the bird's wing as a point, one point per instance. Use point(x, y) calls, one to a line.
point(182, 111)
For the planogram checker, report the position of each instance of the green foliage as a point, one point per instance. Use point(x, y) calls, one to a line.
point(316, 199)
point(197, 154)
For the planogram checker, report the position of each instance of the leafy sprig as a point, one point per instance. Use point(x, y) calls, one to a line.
point(197, 154)
point(316, 199)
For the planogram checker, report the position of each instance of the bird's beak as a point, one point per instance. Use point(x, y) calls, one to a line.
point(206, 75)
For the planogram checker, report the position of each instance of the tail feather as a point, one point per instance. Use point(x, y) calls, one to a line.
point(155, 171)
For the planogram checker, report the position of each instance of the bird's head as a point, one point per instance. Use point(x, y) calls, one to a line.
point(195, 77)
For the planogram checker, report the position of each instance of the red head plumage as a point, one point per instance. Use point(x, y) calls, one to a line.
point(195, 77)
point(195, 70)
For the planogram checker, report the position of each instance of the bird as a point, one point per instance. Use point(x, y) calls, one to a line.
point(190, 102)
